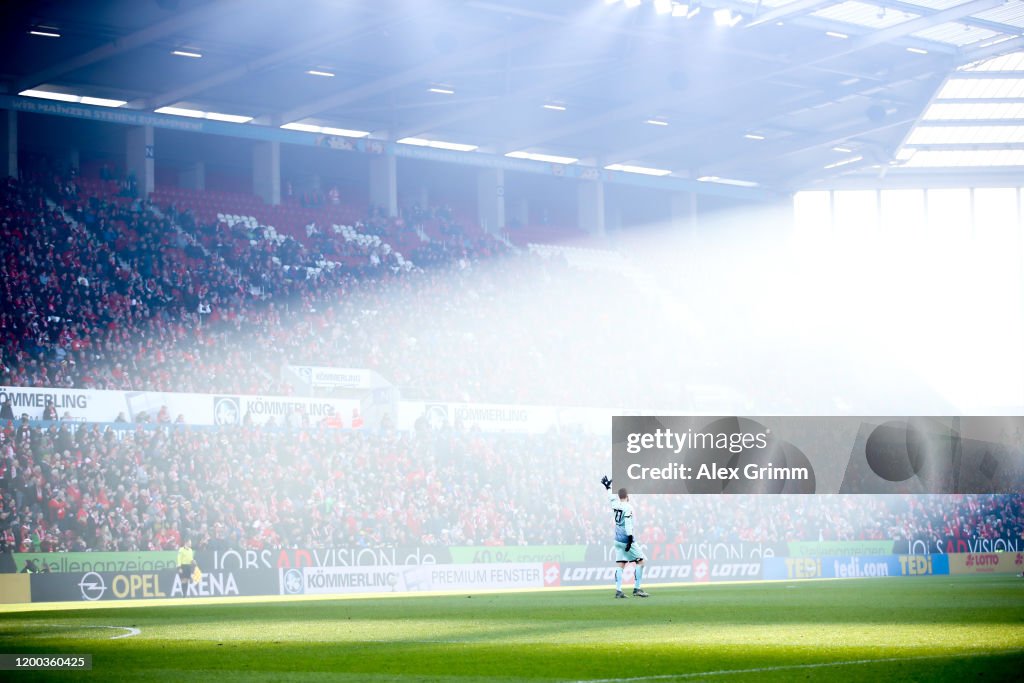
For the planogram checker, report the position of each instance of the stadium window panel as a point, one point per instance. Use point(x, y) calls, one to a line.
point(1011, 62)
point(949, 211)
point(966, 135)
point(982, 88)
point(902, 212)
point(812, 212)
point(995, 212)
point(975, 112)
point(926, 158)
point(855, 212)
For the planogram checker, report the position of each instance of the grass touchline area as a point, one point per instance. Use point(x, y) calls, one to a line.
point(923, 628)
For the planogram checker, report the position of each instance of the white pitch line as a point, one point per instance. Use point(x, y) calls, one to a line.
point(132, 631)
point(789, 667)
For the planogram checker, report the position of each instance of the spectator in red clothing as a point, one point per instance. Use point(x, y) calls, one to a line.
point(333, 421)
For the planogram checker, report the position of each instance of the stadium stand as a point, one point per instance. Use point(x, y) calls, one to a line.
point(217, 296)
point(208, 292)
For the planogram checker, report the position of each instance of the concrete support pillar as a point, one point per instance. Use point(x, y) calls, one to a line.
point(384, 183)
point(490, 199)
point(8, 143)
point(193, 177)
point(266, 171)
point(140, 158)
point(590, 214)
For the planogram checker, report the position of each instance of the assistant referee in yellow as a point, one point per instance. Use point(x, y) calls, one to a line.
point(186, 562)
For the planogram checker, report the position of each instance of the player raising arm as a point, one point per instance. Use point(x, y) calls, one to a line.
point(625, 550)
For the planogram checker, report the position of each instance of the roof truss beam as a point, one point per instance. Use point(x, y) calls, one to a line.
point(970, 55)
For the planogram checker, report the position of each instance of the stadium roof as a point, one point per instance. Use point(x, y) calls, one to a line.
point(781, 93)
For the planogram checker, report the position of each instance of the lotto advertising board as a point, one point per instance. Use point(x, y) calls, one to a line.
point(986, 563)
point(156, 585)
point(700, 570)
point(405, 579)
point(854, 567)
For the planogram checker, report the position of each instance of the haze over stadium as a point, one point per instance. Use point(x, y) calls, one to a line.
point(316, 315)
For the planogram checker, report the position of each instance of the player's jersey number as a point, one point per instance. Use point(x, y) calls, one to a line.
point(618, 517)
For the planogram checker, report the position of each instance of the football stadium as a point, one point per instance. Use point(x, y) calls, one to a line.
point(578, 341)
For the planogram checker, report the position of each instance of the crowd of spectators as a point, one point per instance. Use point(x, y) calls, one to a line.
point(117, 294)
point(83, 487)
point(111, 292)
point(108, 296)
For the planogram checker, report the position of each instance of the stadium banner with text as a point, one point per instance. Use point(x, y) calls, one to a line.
point(707, 550)
point(950, 544)
point(90, 405)
point(475, 554)
point(323, 377)
point(57, 563)
point(93, 405)
point(157, 585)
point(397, 579)
point(854, 567)
point(287, 558)
point(236, 409)
point(486, 417)
point(986, 563)
point(839, 548)
point(806, 455)
point(700, 570)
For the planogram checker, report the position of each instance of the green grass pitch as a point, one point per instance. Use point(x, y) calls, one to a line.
point(929, 628)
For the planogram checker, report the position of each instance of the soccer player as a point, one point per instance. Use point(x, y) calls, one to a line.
point(625, 551)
